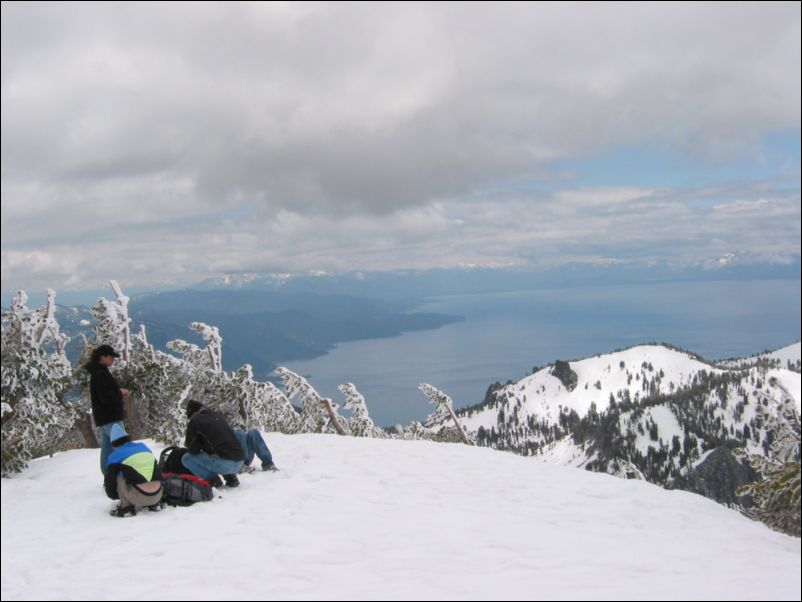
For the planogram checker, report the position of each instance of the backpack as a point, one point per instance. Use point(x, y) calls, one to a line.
point(185, 489)
point(170, 460)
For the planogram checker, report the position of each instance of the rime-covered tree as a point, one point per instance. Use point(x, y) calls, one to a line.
point(262, 405)
point(214, 344)
point(282, 416)
point(35, 375)
point(163, 383)
point(443, 412)
point(204, 366)
point(247, 403)
point(415, 430)
point(113, 323)
point(236, 395)
point(360, 425)
point(777, 494)
point(319, 413)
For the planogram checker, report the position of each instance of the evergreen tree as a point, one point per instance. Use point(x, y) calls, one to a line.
point(282, 417)
point(163, 382)
point(777, 494)
point(319, 413)
point(35, 375)
point(113, 323)
point(198, 373)
point(444, 410)
point(361, 424)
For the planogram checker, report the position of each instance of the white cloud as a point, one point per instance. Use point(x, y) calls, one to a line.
point(526, 231)
point(175, 140)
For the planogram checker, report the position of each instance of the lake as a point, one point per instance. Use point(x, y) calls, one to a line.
point(504, 335)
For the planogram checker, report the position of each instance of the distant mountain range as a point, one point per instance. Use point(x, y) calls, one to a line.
point(652, 411)
point(418, 284)
point(415, 284)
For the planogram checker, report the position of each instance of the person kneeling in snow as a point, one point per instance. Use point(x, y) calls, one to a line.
point(132, 475)
point(213, 447)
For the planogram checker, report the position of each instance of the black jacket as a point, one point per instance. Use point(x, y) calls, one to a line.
point(210, 432)
point(107, 399)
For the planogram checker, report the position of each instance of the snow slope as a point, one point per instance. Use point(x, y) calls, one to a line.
point(791, 382)
point(784, 355)
point(350, 518)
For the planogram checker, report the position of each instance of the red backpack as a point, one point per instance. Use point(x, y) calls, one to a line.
point(181, 487)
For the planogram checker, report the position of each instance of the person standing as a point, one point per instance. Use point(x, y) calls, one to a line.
point(107, 398)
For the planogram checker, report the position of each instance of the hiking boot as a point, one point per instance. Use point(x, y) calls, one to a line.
point(247, 469)
point(271, 467)
point(216, 481)
point(231, 480)
point(121, 512)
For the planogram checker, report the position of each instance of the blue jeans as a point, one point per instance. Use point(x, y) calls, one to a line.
point(105, 444)
point(207, 466)
point(252, 443)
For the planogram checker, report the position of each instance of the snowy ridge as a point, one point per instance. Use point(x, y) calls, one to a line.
point(352, 518)
point(649, 411)
point(542, 394)
point(781, 358)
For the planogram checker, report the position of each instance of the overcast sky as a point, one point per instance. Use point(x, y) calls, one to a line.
point(161, 144)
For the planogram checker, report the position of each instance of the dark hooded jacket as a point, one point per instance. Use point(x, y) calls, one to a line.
point(210, 432)
point(107, 399)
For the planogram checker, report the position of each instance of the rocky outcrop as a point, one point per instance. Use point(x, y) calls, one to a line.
point(562, 371)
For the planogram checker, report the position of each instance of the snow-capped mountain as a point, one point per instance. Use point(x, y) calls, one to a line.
point(651, 411)
point(243, 281)
point(545, 395)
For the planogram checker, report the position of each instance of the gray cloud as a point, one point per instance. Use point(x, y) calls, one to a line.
point(587, 225)
point(307, 136)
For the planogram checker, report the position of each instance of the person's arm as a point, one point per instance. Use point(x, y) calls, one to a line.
point(193, 441)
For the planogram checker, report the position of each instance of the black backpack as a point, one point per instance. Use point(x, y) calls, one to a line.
point(170, 460)
point(185, 489)
point(181, 487)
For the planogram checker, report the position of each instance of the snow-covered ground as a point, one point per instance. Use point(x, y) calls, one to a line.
point(350, 518)
point(791, 382)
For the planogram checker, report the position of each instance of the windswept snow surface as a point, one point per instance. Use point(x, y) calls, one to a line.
point(350, 518)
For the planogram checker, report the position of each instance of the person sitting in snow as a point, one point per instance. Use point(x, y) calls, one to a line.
point(252, 444)
point(213, 447)
point(132, 475)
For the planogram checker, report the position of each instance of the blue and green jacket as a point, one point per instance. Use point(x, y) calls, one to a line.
point(135, 462)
